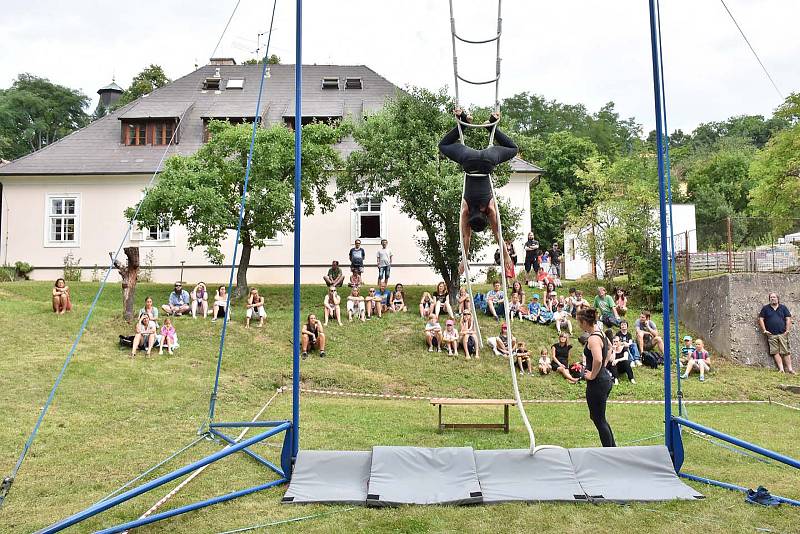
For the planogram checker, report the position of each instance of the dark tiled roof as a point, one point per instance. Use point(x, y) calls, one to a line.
point(96, 149)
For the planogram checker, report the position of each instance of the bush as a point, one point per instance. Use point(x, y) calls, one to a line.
point(145, 273)
point(72, 268)
point(492, 275)
point(22, 269)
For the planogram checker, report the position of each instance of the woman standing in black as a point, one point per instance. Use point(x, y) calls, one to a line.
point(598, 379)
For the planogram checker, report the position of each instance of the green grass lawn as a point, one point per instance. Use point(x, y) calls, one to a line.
point(113, 417)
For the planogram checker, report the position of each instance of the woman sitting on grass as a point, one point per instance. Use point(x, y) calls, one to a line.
point(255, 303)
point(516, 289)
point(426, 305)
point(61, 300)
point(149, 310)
point(372, 303)
point(220, 302)
point(619, 361)
point(469, 340)
point(398, 300)
point(312, 337)
point(355, 306)
point(699, 359)
point(560, 359)
point(450, 338)
point(168, 337)
point(620, 301)
point(442, 300)
point(523, 359)
point(463, 301)
point(331, 306)
point(199, 297)
point(145, 336)
point(517, 309)
point(433, 333)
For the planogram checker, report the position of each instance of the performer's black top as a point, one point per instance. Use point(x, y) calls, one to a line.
point(478, 164)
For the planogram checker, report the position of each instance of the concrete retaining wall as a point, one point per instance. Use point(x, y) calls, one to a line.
point(724, 311)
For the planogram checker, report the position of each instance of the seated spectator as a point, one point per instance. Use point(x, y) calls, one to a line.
point(516, 309)
point(145, 336)
point(647, 333)
point(179, 301)
point(542, 278)
point(355, 279)
point(630, 343)
point(469, 339)
point(619, 361)
point(538, 313)
point(561, 318)
point(200, 300)
point(700, 360)
point(61, 299)
point(442, 300)
point(620, 301)
point(604, 304)
point(357, 255)
point(523, 359)
point(450, 338)
point(580, 303)
point(500, 344)
point(149, 310)
point(516, 289)
point(687, 350)
point(495, 302)
point(464, 302)
point(425, 305)
point(433, 333)
point(560, 358)
point(335, 276)
point(331, 306)
point(220, 303)
point(570, 304)
point(372, 304)
point(312, 336)
point(168, 337)
point(356, 306)
point(544, 362)
point(382, 298)
point(551, 302)
point(398, 301)
point(255, 303)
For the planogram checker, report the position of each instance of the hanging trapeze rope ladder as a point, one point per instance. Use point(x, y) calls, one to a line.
point(492, 127)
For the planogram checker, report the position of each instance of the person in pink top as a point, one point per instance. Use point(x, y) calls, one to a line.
point(167, 337)
point(699, 359)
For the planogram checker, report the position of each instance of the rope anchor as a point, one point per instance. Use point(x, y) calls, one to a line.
point(5, 487)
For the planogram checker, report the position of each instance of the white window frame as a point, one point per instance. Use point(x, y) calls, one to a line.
point(48, 198)
point(141, 234)
point(355, 226)
point(276, 241)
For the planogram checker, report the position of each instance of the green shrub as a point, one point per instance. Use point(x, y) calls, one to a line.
point(22, 269)
point(72, 268)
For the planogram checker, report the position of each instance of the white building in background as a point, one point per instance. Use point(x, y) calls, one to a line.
point(70, 196)
point(578, 263)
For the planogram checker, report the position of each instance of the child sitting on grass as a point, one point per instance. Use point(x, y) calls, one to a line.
point(450, 336)
point(544, 362)
point(517, 309)
point(699, 359)
point(433, 333)
point(523, 358)
point(167, 337)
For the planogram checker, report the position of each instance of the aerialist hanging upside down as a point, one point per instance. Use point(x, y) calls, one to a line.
point(478, 206)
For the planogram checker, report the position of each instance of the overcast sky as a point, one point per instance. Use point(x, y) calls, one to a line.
point(585, 51)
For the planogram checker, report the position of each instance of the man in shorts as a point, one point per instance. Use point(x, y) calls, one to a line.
point(775, 321)
point(384, 262)
point(335, 276)
point(647, 333)
point(357, 255)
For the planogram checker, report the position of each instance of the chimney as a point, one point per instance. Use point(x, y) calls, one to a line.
point(224, 61)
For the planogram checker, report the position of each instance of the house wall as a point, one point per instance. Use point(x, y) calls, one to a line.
point(101, 225)
point(724, 311)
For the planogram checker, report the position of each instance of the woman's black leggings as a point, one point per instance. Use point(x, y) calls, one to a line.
point(621, 367)
point(596, 396)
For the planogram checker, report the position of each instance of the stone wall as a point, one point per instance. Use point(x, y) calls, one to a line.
point(723, 310)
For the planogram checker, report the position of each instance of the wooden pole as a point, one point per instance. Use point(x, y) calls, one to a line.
point(730, 244)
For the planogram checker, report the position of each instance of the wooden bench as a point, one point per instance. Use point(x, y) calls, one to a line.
point(505, 403)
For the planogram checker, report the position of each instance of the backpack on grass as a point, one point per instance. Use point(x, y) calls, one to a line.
point(480, 302)
point(652, 359)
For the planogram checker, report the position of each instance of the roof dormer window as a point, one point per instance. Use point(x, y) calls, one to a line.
point(235, 83)
point(211, 84)
point(353, 83)
point(330, 83)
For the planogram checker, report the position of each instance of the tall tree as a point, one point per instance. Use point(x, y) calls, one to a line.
point(776, 173)
point(399, 159)
point(143, 83)
point(273, 59)
point(202, 192)
point(35, 112)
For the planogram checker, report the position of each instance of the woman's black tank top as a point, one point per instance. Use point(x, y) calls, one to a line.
point(587, 352)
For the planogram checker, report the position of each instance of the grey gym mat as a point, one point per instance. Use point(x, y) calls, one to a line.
point(329, 477)
point(515, 475)
point(629, 474)
point(417, 475)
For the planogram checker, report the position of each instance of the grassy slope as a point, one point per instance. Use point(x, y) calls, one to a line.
point(114, 417)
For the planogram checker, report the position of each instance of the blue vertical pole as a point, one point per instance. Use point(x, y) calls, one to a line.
point(662, 204)
point(298, 158)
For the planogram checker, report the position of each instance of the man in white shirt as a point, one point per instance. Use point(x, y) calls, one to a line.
point(384, 262)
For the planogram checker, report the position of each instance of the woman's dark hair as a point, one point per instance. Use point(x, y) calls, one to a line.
point(59, 280)
point(587, 315)
point(478, 221)
point(609, 334)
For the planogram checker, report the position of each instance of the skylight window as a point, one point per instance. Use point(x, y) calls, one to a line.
point(330, 83)
point(353, 83)
point(211, 84)
point(235, 83)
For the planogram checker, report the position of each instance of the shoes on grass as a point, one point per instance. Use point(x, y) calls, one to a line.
point(322, 354)
point(762, 497)
point(304, 355)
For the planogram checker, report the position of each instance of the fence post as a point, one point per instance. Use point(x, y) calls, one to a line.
point(688, 258)
point(730, 244)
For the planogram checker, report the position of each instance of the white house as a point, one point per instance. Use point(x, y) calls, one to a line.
point(578, 263)
point(70, 196)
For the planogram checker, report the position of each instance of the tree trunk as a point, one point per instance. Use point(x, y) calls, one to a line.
point(129, 274)
point(241, 274)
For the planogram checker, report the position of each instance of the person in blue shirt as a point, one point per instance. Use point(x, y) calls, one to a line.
point(382, 296)
point(775, 321)
point(179, 301)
